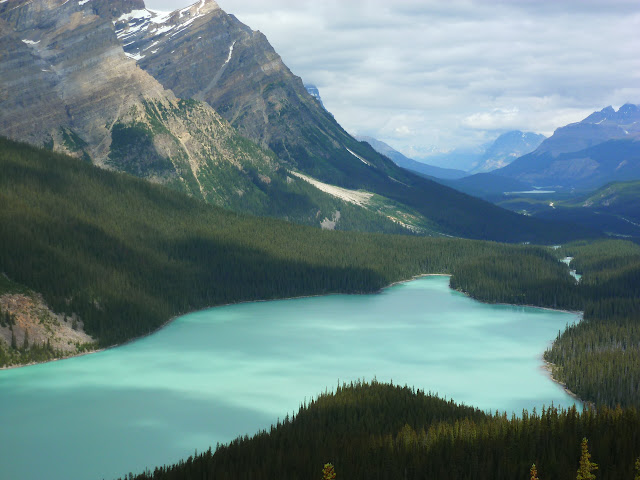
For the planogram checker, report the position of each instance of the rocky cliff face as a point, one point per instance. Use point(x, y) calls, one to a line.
point(201, 52)
point(66, 83)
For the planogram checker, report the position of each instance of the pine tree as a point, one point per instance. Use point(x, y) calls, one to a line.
point(586, 465)
point(14, 343)
point(534, 472)
point(328, 472)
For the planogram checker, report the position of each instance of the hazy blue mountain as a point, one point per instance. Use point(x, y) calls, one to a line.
point(410, 164)
point(598, 127)
point(464, 159)
point(315, 93)
point(506, 148)
point(603, 147)
point(489, 156)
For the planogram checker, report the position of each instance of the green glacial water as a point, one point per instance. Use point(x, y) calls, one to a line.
point(215, 374)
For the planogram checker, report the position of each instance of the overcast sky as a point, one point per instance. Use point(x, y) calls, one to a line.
point(419, 74)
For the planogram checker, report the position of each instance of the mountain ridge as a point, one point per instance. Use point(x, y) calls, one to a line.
point(603, 147)
point(506, 148)
point(408, 163)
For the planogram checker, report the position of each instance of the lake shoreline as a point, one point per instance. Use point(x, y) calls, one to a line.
point(172, 319)
point(547, 367)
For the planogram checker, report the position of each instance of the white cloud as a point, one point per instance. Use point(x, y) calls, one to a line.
point(419, 73)
point(497, 119)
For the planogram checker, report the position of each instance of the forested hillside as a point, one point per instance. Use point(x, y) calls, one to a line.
point(126, 255)
point(378, 431)
point(599, 359)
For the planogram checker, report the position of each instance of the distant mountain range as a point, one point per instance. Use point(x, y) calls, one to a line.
point(491, 156)
point(410, 164)
point(198, 101)
point(506, 148)
point(602, 148)
point(582, 156)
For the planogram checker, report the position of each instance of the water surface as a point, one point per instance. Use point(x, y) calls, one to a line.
point(213, 375)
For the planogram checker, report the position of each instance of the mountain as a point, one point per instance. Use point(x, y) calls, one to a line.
point(198, 101)
point(614, 208)
point(621, 198)
point(315, 93)
point(204, 53)
point(506, 148)
point(464, 159)
point(597, 128)
point(201, 52)
point(66, 83)
point(603, 147)
point(408, 163)
point(487, 157)
point(71, 87)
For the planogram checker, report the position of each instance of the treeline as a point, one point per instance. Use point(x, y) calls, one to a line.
point(127, 255)
point(525, 277)
point(599, 359)
point(379, 431)
point(27, 353)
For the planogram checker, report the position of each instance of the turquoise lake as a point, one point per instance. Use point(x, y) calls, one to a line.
point(213, 375)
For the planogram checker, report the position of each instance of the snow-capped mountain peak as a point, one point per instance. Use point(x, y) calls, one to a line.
point(147, 29)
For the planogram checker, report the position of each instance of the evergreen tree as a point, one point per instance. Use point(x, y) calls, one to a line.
point(14, 343)
point(534, 472)
point(587, 467)
point(328, 472)
point(25, 342)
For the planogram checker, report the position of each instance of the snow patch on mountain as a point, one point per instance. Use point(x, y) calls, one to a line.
point(135, 56)
point(358, 157)
point(134, 15)
point(230, 53)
